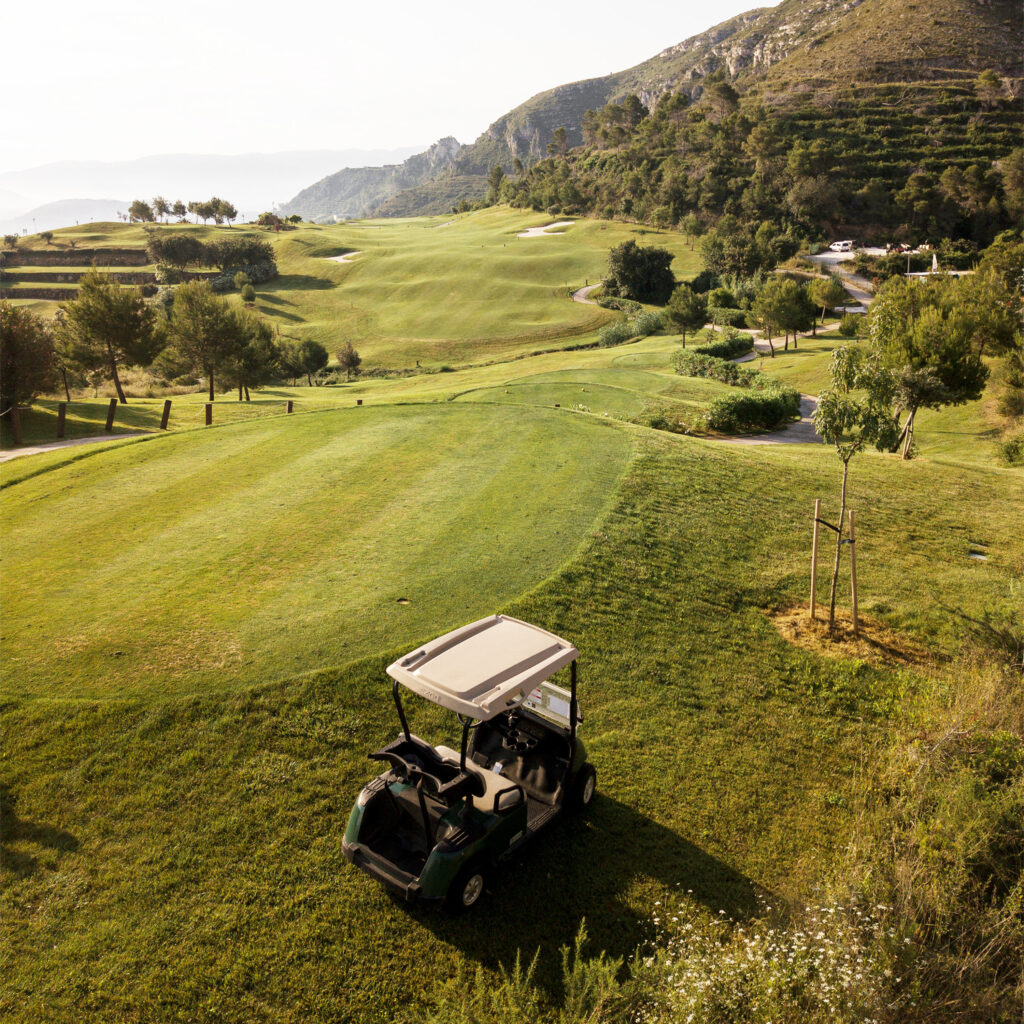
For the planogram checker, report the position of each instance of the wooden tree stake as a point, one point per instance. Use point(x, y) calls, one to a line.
point(853, 574)
point(62, 412)
point(166, 414)
point(111, 409)
point(814, 554)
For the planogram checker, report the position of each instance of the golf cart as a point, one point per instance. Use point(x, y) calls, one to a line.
point(433, 825)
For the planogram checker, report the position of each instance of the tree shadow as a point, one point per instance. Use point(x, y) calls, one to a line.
point(583, 868)
point(13, 829)
point(302, 282)
point(280, 314)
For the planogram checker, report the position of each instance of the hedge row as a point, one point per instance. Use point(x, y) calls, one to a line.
point(624, 330)
point(765, 405)
point(727, 348)
point(694, 363)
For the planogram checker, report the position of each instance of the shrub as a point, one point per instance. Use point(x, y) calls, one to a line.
point(623, 305)
point(765, 406)
point(729, 347)
point(1012, 450)
point(850, 325)
point(624, 330)
point(692, 363)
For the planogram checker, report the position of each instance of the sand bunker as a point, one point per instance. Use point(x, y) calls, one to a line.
point(546, 229)
point(345, 256)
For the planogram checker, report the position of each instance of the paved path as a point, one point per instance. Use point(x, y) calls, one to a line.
point(36, 449)
point(583, 294)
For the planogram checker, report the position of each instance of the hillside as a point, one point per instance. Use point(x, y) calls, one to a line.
point(771, 54)
point(357, 191)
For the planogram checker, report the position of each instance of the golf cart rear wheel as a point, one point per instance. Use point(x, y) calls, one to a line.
point(468, 887)
point(584, 787)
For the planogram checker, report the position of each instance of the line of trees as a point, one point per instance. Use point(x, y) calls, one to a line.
point(216, 209)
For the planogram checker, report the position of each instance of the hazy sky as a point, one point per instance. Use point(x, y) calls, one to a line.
point(114, 80)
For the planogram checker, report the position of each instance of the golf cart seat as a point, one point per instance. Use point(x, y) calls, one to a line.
point(508, 793)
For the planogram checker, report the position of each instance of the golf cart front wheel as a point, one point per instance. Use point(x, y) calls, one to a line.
point(584, 787)
point(468, 887)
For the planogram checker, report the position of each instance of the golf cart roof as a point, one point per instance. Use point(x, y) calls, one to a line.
point(484, 668)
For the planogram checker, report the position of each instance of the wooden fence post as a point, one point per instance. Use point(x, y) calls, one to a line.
point(359, 401)
point(289, 405)
point(209, 413)
point(62, 412)
point(166, 414)
point(814, 554)
point(15, 425)
point(853, 574)
point(111, 409)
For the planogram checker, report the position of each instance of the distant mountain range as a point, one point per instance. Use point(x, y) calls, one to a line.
point(252, 181)
point(798, 46)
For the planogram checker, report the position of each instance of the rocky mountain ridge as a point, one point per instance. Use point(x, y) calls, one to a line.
point(358, 191)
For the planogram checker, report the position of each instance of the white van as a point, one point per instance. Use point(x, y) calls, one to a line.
point(841, 246)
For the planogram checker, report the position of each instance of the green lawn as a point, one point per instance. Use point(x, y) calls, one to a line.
point(179, 856)
point(195, 629)
point(262, 550)
point(426, 290)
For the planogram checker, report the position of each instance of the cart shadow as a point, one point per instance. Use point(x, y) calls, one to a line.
point(583, 869)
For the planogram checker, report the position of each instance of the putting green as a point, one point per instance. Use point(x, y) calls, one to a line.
point(261, 550)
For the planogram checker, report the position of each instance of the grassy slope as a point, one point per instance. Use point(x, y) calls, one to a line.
point(428, 290)
point(269, 573)
point(182, 858)
point(179, 856)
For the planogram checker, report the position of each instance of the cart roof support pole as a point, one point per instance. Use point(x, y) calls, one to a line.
point(401, 711)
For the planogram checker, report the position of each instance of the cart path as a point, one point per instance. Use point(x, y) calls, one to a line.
point(35, 449)
point(583, 294)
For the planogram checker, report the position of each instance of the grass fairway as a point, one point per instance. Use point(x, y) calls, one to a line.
point(261, 550)
point(180, 858)
point(195, 630)
point(435, 290)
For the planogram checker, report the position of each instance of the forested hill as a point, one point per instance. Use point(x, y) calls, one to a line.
point(818, 51)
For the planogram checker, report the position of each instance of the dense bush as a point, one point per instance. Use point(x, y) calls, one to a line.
point(623, 305)
point(635, 327)
point(728, 347)
point(1012, 450)
point(693, 363)
point(257, 273)
point(764, 406)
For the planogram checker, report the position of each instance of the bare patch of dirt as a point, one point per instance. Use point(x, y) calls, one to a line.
point(876, 642)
